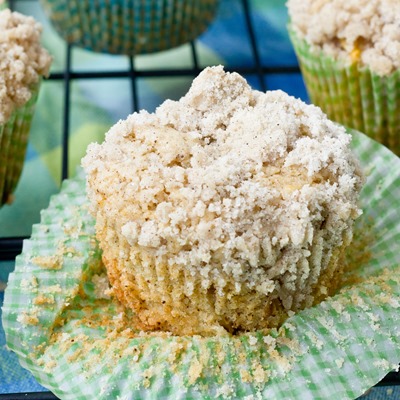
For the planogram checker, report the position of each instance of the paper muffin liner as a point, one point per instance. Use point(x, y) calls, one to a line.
point(155, 288)
point(352, 94)
point(127, 26)
point(13, 144)
point(82, 344)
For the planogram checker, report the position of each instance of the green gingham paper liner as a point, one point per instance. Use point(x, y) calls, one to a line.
point(83, 345)
point(352, 95)
point(13, 143)
point(129, 26)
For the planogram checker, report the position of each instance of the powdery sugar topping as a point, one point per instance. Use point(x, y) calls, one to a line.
point(22, 60)
point(365, 31)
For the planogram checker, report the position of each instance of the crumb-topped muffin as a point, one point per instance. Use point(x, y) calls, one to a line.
point(224, 211)
point(365, 31)
point(23, 63)
point(23, 60)
point(349, 52)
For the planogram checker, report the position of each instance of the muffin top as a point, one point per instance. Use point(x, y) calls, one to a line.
point(22, 60)
point(223, 176)
point(363, 31)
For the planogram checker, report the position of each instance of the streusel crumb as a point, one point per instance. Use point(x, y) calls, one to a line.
point(223, 211)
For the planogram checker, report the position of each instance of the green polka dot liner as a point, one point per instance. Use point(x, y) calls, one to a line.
point(80, 343)
point(351, 94)
point(14, 136)
point(129, 26)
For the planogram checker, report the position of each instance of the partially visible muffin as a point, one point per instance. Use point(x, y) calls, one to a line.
point(129, 27)
point(224, 211)
point(349, 53)
point(361, 31)
point(23, 63)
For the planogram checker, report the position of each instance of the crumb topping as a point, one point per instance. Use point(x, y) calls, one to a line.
point(363, 31)
point(22, 60)
point(229, 185)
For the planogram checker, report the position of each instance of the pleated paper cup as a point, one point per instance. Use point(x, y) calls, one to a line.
point(128, 26)
point(351, 94)
point(83, 344)
point(157, 290)
point(13, 144)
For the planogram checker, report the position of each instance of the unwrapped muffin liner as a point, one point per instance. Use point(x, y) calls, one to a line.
point(13, 144)
point(81, 344)
point(128, 26)
point(351, 94)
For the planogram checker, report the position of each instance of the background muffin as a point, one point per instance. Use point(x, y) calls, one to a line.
point(129, 27)
point(349, 54)
point(223, 211)
point(23, 62)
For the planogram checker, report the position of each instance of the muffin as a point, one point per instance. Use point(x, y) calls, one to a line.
point(225, 211)
point(349, 54)
point(23, 63)
point(129, 27)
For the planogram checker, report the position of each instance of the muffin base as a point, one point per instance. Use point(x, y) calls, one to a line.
point(129, 27)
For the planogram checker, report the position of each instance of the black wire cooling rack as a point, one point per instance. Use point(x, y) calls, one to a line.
point(12, 246)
